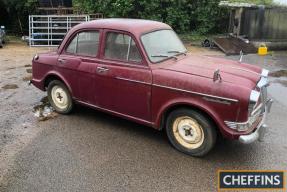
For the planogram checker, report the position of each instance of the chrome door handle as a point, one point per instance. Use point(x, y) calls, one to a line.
point(102, 69)
point(62, 61)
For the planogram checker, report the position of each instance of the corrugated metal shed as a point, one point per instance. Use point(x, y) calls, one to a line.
point(264, 23)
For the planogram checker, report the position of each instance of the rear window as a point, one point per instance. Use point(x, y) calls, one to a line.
point(84, 43)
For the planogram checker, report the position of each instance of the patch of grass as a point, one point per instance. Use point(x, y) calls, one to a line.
point(280, 73)
point(193, 38)
point(13, 38)
point(10, 86)
point(27, 78)
point(29, 70)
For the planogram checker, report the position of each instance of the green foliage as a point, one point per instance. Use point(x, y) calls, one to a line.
point(14, 14)
point(198, 16)
point(202, 16)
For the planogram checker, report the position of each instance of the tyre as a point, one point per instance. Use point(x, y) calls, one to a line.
point(59, 97)
point(190, 132)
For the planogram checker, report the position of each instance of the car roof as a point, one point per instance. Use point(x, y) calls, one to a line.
point(134, 26)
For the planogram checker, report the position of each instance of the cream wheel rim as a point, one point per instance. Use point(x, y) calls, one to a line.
point(59, 97)
point(188, 132)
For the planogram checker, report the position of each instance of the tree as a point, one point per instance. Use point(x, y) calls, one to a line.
point(17, 14)
point(183, 15)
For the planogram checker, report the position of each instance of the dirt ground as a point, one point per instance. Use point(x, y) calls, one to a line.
point(17, 99)
point(92, 151)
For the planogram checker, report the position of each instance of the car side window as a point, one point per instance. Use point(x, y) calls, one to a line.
point(73, 45)
point(84, 43)
point(121, 47)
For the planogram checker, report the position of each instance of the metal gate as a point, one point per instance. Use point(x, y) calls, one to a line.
point(49, 30)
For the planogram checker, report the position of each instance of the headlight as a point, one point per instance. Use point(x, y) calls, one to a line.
point(36, 57)
point(253, 103)
point(253, 100)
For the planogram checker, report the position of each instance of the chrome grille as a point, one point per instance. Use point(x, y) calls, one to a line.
point(263, 91)
point(262, 85)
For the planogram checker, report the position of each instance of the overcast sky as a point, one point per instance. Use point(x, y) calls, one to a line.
point(281, 1)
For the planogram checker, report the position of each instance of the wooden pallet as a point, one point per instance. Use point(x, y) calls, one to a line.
point(233, 46)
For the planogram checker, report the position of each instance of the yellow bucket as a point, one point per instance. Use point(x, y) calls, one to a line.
point(262, 50)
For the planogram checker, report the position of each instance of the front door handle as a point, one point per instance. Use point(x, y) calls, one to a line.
point(62, 61)
point(102, 69)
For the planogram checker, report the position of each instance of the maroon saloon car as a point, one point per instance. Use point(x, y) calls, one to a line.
point(140, 70)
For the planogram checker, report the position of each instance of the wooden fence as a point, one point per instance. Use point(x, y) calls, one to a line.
point(265, 24)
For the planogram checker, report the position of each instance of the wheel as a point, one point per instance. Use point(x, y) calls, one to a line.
point(59, 97)
point(190, 132)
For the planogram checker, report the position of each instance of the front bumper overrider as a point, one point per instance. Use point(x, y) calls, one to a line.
point(260, 131)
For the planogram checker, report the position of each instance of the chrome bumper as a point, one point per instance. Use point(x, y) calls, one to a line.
point(260, 131)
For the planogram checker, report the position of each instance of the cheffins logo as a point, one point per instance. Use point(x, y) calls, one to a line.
point(251, 179)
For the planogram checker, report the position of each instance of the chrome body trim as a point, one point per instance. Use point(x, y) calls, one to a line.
point(262, 82)
point(267, 107)
point(216, 100)
point(254, 96)
point(260, 101)
point(182, 90)
point(256, 109)
point(257, 135)
point(264, 73)
point(134, 81)
point(197, 93)
point(246, 70)
point(115, 112)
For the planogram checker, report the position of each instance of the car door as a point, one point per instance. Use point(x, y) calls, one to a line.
point(123, 82)
point(78, 63)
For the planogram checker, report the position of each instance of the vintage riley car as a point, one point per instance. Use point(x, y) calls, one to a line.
point(140, 70)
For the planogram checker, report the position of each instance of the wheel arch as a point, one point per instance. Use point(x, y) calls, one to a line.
point(53, 76)
point(211, 116)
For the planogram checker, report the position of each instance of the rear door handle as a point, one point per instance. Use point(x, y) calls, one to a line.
point(62, 61)
point(102, 69)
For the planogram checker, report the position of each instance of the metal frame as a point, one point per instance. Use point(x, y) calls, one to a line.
point(49, 30)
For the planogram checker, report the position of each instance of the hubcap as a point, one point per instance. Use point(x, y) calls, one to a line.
point(188, 132)
point(59, 97)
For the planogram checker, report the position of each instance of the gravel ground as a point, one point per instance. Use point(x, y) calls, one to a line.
point(92, 151)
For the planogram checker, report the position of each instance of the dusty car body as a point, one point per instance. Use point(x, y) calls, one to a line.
point(139, 70)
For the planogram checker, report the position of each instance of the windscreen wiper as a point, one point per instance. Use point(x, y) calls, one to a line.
point(177, 52)
point(167, 56)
